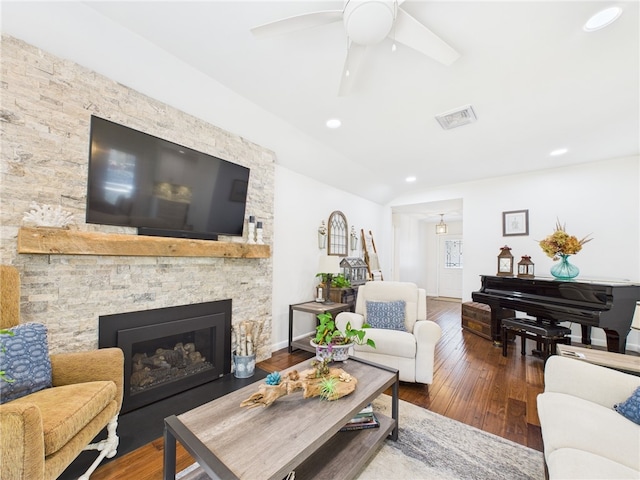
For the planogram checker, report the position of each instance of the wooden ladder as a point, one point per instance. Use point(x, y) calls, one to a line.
point(371, 255)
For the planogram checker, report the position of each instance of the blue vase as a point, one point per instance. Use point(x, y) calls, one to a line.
point(563, 270)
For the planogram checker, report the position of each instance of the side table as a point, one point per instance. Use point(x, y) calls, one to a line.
point(618, 361)
point(315, 308)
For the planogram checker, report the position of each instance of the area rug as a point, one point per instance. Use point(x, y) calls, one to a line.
point(434, 447)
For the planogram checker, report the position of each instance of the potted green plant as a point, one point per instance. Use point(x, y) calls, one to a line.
point(337, 281)
point(331, 342)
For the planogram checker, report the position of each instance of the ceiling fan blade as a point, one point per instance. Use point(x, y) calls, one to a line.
point(413, 34)
point(298, 22)
point(351, 65)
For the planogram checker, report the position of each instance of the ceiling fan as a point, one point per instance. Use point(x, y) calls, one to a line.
point(367, 22)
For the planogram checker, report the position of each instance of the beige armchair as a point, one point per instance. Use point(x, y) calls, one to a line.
point(584, 437)
point(412, 349)
point(43, 432)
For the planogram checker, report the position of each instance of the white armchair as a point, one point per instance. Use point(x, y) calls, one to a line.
point(584, 437)
point(411, 351)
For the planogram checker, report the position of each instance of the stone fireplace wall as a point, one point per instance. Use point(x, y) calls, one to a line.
point(45, 110)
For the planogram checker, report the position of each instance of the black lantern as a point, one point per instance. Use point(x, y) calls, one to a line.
point(505, 262)
point(525, 267)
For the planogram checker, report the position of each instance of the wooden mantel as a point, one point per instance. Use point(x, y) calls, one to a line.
point(59, 241)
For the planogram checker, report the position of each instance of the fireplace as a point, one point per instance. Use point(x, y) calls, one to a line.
point(169, 350)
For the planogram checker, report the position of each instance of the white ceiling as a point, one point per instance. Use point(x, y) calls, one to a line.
point(536, 81)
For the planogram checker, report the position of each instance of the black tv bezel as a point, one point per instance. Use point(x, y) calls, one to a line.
point(150, 231)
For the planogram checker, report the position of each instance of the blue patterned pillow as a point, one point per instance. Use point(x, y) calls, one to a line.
point(24, 359)
point(389, 315)
point(630, 408)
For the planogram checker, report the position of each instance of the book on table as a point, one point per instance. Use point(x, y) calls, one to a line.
point(365, 418)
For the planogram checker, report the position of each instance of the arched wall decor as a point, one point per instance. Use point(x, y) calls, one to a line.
point(338, 234)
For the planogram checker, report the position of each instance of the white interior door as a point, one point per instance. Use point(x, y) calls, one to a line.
point(450, 264)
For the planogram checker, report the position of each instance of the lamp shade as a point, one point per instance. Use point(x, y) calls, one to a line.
point(635, 324)
point(329, 264)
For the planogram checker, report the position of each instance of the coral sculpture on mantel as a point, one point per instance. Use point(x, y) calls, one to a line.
point(47, 216)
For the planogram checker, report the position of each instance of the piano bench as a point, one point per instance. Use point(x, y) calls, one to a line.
point(546, 334)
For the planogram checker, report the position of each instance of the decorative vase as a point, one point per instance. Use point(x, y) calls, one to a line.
point(244, 365)
point(563, 270)
point(337, 353)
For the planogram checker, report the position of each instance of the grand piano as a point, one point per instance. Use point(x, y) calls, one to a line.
point(607, 305)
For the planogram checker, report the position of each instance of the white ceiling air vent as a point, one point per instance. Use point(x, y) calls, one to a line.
point(456, 118)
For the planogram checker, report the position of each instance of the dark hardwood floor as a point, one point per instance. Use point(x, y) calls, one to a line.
point(473, 383)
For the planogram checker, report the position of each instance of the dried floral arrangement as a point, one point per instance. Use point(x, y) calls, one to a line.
point(561, 243)
point(47, 216)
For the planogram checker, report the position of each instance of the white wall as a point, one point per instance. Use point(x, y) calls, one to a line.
point(601, 199)
point(415, 250)
point(301, 203)
point(408, 250)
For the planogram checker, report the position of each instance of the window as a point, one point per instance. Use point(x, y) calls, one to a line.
point(453, 254)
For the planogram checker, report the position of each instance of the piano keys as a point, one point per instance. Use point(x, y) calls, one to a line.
point(606, 305)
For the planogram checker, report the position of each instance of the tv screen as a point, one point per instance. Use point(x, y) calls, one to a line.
point(138, 180)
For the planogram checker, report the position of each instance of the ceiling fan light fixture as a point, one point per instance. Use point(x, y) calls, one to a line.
point(457, 118)
point(368, 22)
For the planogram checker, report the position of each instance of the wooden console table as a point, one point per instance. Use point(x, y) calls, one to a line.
point(315, 308)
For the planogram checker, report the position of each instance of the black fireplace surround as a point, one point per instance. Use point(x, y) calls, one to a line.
point(169, 350)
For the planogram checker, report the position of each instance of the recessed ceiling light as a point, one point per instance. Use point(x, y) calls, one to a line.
point(602, 19)
point(334, 123)
point(410, 179)
point(559, 151)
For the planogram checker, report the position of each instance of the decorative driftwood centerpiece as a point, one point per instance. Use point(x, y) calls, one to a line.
point(333, 384)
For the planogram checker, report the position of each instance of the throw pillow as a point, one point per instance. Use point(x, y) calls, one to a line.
point(630, 408)
point(389, 315)
point(24, 359)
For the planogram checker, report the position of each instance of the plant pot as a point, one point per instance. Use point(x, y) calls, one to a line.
point(244, 365)
point(338, 353)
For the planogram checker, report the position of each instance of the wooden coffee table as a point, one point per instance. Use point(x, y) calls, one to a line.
point(292, 434)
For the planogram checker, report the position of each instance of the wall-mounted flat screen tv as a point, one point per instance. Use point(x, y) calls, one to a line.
point(138, 180)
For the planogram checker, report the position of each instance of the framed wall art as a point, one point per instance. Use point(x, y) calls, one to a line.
point(515, 223)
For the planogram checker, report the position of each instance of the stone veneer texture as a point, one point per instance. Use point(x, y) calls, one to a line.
point(45, 110)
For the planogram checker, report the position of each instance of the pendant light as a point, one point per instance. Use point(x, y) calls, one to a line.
point(441, 227)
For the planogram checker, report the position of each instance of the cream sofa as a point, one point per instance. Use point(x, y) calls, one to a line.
point(584, 437)
point(411, 351)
